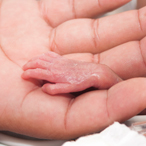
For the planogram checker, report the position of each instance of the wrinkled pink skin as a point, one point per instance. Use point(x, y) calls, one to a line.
point(68, 75)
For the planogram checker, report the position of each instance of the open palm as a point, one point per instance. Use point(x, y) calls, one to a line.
point(29, 28)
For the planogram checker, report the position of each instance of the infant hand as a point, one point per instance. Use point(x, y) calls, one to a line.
point(64, 75)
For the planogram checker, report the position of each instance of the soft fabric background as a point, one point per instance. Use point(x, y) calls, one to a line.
point(130, 6)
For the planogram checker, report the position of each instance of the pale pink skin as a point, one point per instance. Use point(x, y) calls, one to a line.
point(27, 29)
point(68, 75)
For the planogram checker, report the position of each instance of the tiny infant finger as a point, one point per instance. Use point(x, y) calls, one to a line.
point(49, 56)
point(40, 74)
point(38, 63)
point(58, 88)
point(65, 87)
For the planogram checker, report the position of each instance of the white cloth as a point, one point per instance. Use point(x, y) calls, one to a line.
point(115, 135)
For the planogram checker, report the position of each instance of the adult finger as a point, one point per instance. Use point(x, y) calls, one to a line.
point(96, 110)
point(127, 60)
point(94, 36)
point(55, 12)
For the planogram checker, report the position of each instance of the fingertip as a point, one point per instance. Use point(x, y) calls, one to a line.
point(46, 89)
point(50, 89)
point(24, 75)
point(27, 74)
point(24, 67)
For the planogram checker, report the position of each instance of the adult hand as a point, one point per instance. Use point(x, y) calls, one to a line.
point(27, 28)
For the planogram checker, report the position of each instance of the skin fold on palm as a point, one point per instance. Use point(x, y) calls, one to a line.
point(29, 28)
